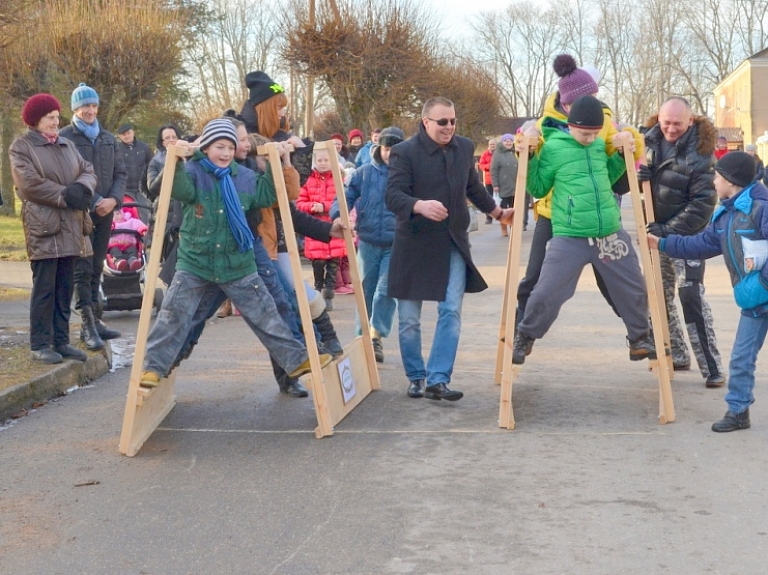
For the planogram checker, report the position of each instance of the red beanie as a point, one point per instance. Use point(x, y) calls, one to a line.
point(354, 132)
point(38, 106)
point(337, 136)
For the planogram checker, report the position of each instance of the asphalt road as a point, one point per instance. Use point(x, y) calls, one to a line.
point(235, 482)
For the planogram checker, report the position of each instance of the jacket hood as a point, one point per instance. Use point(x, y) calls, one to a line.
point(706, 129)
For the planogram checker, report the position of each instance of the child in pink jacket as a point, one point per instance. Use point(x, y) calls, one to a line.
point(124, 248)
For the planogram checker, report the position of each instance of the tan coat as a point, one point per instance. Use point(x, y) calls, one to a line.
point(268, 226)
point(40, 172)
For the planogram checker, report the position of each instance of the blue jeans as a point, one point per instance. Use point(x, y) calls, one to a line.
point(215, 297)
point(750, 335)
point(374, 269)
point(446, 341)
point(182, 303)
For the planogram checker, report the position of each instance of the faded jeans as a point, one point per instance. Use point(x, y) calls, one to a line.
point(248, 294)
point(373, 261)
point(446, 341)
point(750, 336)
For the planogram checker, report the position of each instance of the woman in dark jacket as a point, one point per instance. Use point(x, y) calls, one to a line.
point(55, 185)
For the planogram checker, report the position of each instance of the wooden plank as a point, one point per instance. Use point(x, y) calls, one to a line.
point(324, 382)
point(656, 263)
point(506, 416)
point(651, 272)
point(143, 413)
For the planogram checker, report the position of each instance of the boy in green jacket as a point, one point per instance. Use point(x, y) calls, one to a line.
point(586, 226)
point(216, 252)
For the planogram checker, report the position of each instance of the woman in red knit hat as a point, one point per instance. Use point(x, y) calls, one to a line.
point(55, 186)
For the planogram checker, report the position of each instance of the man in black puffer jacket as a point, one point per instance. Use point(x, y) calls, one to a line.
point(680, 168)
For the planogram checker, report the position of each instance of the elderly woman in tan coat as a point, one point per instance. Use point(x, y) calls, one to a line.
point(55, 186)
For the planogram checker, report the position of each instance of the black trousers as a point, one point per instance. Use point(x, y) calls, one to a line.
point(88, 270)
point(52, 288)
point(325, 273)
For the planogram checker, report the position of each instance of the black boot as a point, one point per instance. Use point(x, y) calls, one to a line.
point(521, 348)
point(88, 332)
point(288, 385)
point(104, 332)
point(328, 334)
point(732, 422)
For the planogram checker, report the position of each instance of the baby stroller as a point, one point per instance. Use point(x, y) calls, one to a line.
point(123, 290)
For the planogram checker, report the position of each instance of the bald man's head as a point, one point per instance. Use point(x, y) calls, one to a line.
point(675, 117)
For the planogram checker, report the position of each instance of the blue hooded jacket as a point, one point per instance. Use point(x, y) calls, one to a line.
point(367, 186)
point(739, 226)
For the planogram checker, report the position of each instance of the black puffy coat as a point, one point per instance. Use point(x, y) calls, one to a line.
point(420, 169)
point(683, 188)
point(107, 164)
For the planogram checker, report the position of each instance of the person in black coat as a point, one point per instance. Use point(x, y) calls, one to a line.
point(98, 147)
point(431, 175)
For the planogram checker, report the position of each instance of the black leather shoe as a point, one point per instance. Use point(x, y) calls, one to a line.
point(69, 352)
point(105, 332)
point(717, 380)
point(46, 355)
point(295, 389)
point(416, 389)
point(442, 391)
point(732, 422)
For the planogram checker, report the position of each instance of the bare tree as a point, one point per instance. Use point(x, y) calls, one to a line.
point(522, 41)
point(241, 36)
point(369, 53)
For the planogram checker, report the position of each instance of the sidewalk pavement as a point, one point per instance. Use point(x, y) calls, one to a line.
point(234, 481)
point(14, 317)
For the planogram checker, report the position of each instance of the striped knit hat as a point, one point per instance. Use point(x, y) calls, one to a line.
point(83, 95)
point(218, 129)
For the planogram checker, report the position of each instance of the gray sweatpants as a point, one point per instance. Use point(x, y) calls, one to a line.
point(613, 256)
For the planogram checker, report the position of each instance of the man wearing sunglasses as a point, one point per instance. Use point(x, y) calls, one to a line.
point(431, 175)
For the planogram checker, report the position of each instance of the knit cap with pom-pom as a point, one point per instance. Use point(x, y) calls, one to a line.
point(574, 81)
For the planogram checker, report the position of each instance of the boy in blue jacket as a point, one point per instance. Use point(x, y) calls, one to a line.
point(376, 229)
point(738, 231)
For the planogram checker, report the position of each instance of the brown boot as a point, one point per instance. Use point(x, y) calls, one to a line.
point(504, 230)
point(225, 309)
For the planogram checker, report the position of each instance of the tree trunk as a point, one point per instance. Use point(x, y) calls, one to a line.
point(6, 182)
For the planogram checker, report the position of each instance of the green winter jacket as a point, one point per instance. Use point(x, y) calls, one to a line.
point(207, 247)
point(580, 178)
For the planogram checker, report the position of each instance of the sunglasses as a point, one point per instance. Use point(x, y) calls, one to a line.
point(443, 121)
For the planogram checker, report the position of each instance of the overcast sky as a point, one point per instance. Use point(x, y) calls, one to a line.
point(456, 14)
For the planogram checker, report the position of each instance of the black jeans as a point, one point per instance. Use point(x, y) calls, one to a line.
point(88, 270)
point(52, 287)
point(325, 273)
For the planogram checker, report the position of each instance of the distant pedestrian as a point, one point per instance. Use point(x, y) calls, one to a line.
point(484, 165)
point(504, 177)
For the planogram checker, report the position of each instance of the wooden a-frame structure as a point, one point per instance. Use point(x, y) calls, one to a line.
point(336, 389)
point(505, 371)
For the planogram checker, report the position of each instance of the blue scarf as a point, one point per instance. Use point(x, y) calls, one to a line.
point(91, 131)
point(234, 211)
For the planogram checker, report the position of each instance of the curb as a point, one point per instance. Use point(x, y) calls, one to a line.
point(53, 384)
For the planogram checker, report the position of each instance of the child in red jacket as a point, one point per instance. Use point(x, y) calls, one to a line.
point(316, 198)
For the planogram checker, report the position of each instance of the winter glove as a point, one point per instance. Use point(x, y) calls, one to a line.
point(750, 292)
point(77, 196)
point(644, 173)
point(658, 230)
